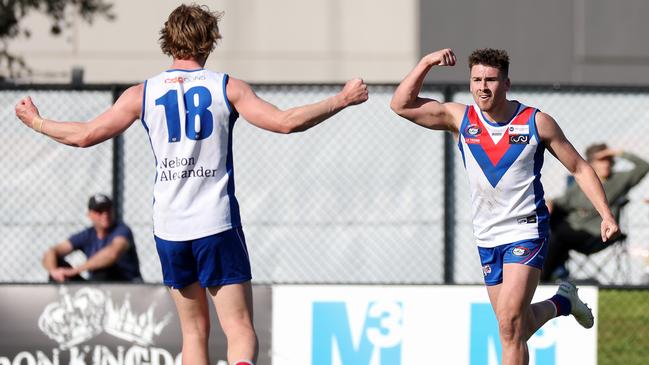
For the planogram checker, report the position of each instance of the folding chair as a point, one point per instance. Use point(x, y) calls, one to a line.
point(611, 265)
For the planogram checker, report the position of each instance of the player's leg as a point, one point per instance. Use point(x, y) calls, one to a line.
point(191, 304)
point(519, 268)
point(234, 308)
point(224, 268)
point(179, 274)
point(507, 299)
point(511, 301)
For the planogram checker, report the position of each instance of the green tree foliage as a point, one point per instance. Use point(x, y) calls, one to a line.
point(59, 13)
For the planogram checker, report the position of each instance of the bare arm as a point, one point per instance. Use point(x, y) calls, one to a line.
point(105, 257)
point(557, 143)
point(51, 256)
point(428, 113)
point(267, 116)
point(109, 124)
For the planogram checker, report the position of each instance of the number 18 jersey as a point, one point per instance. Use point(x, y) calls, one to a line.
point(189, 120)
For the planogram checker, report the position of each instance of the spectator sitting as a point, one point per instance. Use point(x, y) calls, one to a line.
point(575, 224)
point(108, 246)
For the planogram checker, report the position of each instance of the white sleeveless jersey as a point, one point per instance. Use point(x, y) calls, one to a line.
point(503, 162)
point(189, 121)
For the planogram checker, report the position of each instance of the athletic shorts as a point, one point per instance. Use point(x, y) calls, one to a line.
point(526, 252)
point(215, 260)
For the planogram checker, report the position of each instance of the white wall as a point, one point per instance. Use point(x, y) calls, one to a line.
point(263, 41)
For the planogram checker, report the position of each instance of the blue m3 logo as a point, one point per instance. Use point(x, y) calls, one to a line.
point(379, 342)
point(485, 343)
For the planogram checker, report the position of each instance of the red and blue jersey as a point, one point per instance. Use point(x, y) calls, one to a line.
point(503, 163)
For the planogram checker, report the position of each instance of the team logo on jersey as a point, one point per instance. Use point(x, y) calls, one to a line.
point(521, 251)
point(474, 130)
point(486, 270)
point(519, 139)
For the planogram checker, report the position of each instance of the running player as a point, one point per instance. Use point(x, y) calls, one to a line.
point(502, 143)
point(189, 113)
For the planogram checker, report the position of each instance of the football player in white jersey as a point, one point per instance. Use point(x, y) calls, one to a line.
point(189, 113)
point(502, 143)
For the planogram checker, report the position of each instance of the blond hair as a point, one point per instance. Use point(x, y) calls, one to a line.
point(191, 31)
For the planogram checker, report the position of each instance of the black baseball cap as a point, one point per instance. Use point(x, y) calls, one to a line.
point(99, 203)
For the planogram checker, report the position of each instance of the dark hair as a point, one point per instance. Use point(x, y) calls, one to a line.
point(593, 149)
point(497, 58)
point(191, 31)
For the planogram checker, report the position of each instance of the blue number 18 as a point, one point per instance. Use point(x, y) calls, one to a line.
point(199, 122)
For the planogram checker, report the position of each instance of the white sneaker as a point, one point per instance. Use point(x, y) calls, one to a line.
point(580, 310)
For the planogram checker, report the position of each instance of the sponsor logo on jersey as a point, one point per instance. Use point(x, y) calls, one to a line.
point(486, 270)
point(521, 251)
point(472, 140)
point(519, 129)
point(184, 80)
point(519, 139)
point(526, 220)
point(474, 130)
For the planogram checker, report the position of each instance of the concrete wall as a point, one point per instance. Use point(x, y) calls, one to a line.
point(263, 41)
point(550, 41)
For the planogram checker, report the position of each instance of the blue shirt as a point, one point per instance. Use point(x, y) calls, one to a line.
point(127, 266)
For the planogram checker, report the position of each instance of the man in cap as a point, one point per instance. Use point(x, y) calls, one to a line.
point(107, 244)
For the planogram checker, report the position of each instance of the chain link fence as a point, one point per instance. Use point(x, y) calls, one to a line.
point(365, 197)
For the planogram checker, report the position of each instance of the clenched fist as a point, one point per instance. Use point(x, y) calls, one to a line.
point(26, 111)
point(354, 92)
point(443, 57)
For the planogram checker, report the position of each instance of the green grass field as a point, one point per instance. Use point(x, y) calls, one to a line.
point(623, 334)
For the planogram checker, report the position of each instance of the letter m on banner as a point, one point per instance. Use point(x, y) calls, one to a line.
point(485, 342)
point(379, 342)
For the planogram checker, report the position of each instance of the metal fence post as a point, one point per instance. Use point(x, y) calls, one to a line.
point(449, 204)
point(118, 164)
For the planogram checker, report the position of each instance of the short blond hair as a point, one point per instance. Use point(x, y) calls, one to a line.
point(191, 31)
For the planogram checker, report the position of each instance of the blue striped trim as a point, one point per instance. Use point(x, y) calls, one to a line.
point(143, 101)
point(225, 93)
point(542, 212)
point(463, 125)
point(177, 69)
point(229, 165)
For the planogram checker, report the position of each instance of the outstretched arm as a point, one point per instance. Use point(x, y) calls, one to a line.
point(267, 116)
point(557, 143)
point(109, 124)
point(428, 113)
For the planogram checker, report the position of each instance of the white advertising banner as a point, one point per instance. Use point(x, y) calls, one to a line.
point(406, 325)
